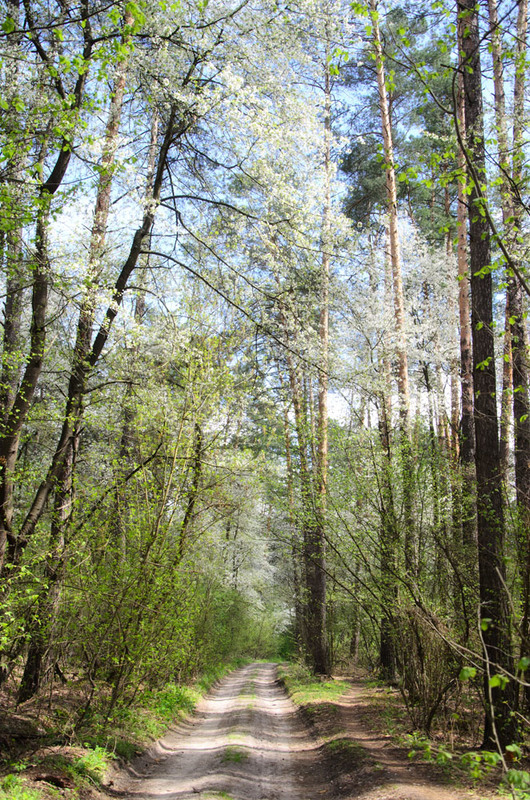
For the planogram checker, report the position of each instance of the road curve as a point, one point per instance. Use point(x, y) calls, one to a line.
point(246, 742)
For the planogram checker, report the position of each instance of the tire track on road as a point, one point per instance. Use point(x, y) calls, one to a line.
point(246, 742)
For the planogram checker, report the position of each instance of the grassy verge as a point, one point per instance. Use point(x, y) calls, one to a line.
point(71, 774)
point(305, 689)
point(12, 787)
point(316, 699)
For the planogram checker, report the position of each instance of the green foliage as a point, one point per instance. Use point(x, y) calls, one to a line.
point(424, 747)
point(518, 782)
point(480, 764)
point(12, 787)
point(419, 743)
point(171, 700)
point(92, 765)
point(466, 673)
point(287, 645)
point(183, 545)
point(498, 680)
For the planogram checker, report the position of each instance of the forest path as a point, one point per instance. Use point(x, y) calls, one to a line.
point(375, 768)
point(246, 742)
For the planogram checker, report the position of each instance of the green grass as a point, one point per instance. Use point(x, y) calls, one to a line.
point(90, 768)
point(12, 787)
point(93, 765)
point(207, 679)
point(131, 728)
point(234, 755)
point(346, 750)
point(346, 746)
point(304, 688)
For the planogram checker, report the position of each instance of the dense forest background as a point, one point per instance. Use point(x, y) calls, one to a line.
point(264, 376)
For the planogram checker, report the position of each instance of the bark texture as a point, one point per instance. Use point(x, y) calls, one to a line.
point(490, 511)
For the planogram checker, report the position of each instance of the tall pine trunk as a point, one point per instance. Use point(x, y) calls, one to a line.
point(494, 612)
point(515, 324)
point(410, 544)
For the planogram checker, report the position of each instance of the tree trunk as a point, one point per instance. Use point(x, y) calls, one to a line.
point(299, 626)
point(388, 530)
point(410, 545)
point(13, 424)
point(495, 618)
point(316, 542)
point(40, 643)
point(9, 442)
point(468, 544)
point(515, 325)
point(506, 399)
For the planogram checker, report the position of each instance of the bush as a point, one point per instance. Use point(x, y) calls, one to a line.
point(428, 670)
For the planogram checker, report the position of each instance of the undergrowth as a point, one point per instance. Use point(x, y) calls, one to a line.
point(91, 748)
point(478, 765)
point(131, 727)
point(12, 787)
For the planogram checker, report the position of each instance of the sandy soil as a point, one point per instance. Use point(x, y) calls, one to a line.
point(247, 741)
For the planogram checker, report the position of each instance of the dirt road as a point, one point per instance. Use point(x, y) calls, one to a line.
point(246, 742)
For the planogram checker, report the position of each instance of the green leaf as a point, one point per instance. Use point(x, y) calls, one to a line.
point(491, 757)
point(499, 681)
point(482, 366)
point(138, 15)
point(466, 673)
point(523, 664)
point(359, 9)
point(485, 623)
point(8, 25)
point(518, 778)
